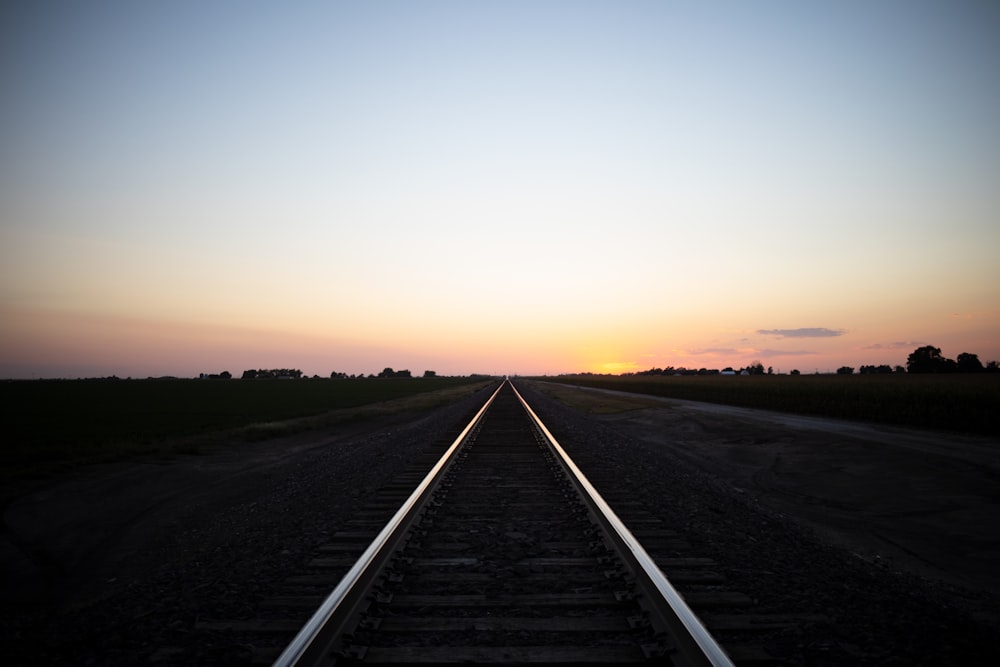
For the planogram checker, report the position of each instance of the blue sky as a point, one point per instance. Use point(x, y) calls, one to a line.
point(505, 187)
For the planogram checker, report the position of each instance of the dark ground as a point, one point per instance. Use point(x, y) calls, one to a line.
point(894, 534)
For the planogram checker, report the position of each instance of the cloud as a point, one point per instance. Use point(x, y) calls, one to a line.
point(747, 353)
point(898, 345)
point(766, 353)
point(716, 350)
point(974, 315)
point(807, 332)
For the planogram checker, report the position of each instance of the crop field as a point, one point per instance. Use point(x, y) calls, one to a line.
point(53, 424)
point(961, 402)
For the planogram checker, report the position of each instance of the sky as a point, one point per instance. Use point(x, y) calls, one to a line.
point(496, 187)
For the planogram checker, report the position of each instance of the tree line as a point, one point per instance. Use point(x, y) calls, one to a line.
point(926, 359)
point(296, 374)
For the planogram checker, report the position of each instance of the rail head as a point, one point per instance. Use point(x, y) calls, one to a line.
point(692, 638)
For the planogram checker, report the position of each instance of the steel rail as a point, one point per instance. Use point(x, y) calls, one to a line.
point(685, 629)
point(315, 640)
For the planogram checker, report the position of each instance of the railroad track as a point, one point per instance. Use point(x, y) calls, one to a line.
point(504, 553)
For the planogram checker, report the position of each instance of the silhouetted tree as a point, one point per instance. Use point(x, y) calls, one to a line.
point(430, 374)
point(755, 368)
point(968, 363)
point(927, 359)
point(795, 371)
point(845, 370)
point(273, 373)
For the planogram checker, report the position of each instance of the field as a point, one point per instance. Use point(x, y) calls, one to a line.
point(961, 402)
point(57, 424)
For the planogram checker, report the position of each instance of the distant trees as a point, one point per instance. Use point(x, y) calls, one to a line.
point(386, 373)
point(272, 374)
point(755, 368)
point(670, 370)
point(925, 359)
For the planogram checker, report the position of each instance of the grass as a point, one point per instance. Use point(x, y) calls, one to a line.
point(53, 425)
point(960, 402)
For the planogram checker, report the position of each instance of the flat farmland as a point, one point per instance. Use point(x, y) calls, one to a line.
point(53, 425)
point(959, 402)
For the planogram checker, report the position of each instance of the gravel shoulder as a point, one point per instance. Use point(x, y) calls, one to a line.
point(925, 501)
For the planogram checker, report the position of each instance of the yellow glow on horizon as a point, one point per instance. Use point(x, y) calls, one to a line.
point(616, 367)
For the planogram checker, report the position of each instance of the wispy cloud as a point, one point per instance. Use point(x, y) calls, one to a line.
point(898, 345)
point(806, 332)
point(767, 353)
point(748, 352)
point(716, 350)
